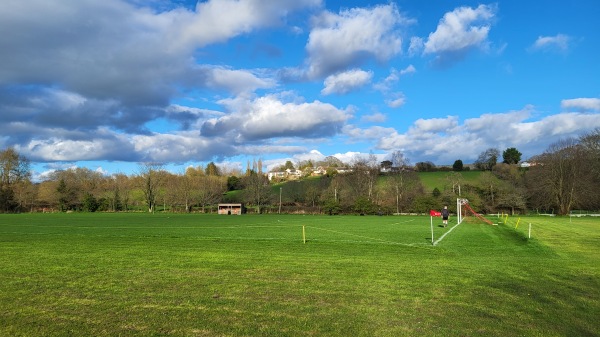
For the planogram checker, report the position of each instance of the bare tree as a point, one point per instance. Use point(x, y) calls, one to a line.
point(402, 187)
point(14, 169)
point(171, 192)
point(257, 191)
point(399, 160)
point(455, 180)
point(122, 191)
point(401, 180)
point(25, 194)
point(312, 195)
point(489, 186)
point(512, 198)
point(559, 175)
point(150, 181)
point(588, 191)
point(209, 190)
point(487, 159)
point(186, 185)
point(364, 175)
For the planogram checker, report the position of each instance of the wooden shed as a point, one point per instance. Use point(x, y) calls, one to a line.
point(229, 209)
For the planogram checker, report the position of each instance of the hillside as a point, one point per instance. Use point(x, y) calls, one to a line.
point(432, 180)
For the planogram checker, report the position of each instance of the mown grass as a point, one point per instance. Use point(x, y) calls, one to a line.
point(209, 275)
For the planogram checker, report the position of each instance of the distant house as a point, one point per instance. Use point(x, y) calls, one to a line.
point(527, 164)
point(287, 174)
point(344, 170)
point(293, 174)
point(229, 209)
point(276, 175)
point(319, 171)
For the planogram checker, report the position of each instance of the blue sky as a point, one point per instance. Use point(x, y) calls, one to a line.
point(110, 84)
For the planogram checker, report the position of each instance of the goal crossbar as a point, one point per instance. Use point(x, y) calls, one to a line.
point(463, 208)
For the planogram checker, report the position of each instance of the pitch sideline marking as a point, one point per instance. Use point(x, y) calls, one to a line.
point(448, 232)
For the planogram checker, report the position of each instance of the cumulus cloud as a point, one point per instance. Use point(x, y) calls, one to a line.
point(397, 100)
point(188, 117)
point(443, 140)
point(81, 79)
point(219, 20)
point(585, 104)
point(236, 81)
point(103, 145)
point(345, 82)
point(560, 43)
point(269, 116)
point(438, 125)
point(375, 132)
point(459, 31)
point(180, 147)
point(340, 41)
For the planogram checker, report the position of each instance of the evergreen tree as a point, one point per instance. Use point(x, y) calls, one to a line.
point(511, 156)
point(457, 166)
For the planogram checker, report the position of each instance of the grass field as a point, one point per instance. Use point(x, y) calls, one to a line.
point(208, 275)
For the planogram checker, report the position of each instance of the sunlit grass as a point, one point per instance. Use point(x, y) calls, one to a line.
point(201, 275)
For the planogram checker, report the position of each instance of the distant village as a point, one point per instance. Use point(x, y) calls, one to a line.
point(385, 167)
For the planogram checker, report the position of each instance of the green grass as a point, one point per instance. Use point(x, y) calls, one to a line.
point(209, 275)
point(432, 180)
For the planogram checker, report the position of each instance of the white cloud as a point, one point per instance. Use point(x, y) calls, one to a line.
point(181, 147)
point(337, 42)
point(397, 101)
point(219, 20)
point(102, 171)
point(135, 56)
point(350, 157)
point(441, 125)
point(459, 29)
point(458, 32)
point(443, 140)
point(560, 43)
point(487, 121)
point(374, 118)
point(587, 104)
point(64, 149)
point(359, 134)
point(394, 76)
point(234, 81)
point(410, 69)
point(346, 82)
point(312, 155)
point(268, 117)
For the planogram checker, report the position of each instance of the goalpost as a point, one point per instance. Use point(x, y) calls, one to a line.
point(463, 209)
point(459, 208)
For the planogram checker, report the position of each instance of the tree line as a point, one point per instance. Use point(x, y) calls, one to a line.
point(566, 176)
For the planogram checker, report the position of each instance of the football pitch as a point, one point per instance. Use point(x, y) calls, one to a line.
point(290, 275)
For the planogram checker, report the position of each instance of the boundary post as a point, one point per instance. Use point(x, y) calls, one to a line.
point(303, 235)
point(431, 219)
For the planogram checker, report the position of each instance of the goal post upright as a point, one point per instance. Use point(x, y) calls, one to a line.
point(459, 208)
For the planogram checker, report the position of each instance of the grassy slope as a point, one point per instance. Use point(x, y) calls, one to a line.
point(432, 180)
point(190, 275)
